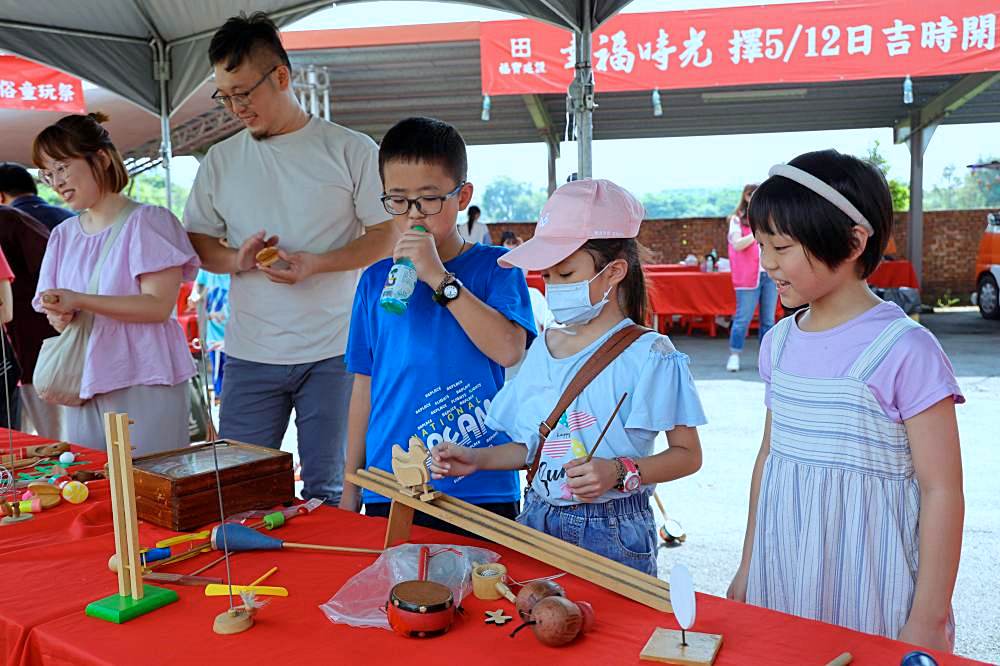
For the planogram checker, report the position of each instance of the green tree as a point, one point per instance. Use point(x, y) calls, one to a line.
point(964, 189)
point(899, 190)
point(690, 202)
point(509, 200)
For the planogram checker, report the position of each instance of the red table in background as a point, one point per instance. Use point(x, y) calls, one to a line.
point(57, 563)
point(894, 274)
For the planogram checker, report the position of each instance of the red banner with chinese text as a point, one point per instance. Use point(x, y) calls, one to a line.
point(793, 43)
point(28, 86)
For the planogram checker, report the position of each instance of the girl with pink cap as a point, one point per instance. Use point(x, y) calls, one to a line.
point(585, 246)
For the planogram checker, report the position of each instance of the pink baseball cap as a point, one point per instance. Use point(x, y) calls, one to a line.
point(578, 211)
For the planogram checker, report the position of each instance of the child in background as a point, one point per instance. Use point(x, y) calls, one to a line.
point(856, 502)
point(585, 245)
point(213, 290)
point(432, 371)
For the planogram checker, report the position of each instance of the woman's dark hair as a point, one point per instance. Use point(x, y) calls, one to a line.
point(474, 213)
point(507, 236)
point(243, 37)
point(632, 295)
point(84, 137)
point(741, 208)
point(782, 206)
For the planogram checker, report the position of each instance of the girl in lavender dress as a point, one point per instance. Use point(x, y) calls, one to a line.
point(137, 360)
point(856, 504)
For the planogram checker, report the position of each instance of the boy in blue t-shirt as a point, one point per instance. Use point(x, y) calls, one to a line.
point(433, 370)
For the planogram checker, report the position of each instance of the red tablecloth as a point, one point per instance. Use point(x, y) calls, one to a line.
point(50, 581)
point(691, 293)
point(894, 274)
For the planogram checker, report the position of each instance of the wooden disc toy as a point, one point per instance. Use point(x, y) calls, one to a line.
point(233, 621)
point(46, 492)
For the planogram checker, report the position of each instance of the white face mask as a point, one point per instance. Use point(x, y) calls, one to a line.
point(570, 303)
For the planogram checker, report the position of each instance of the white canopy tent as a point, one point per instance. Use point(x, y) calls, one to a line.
point(153, 52)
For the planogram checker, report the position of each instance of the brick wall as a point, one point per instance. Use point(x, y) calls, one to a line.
point(951, 240)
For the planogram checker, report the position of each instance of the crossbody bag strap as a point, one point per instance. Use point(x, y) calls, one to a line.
point(602, 358)
point(95, 278)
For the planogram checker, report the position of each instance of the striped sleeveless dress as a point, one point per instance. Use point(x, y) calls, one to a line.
point(836, 531)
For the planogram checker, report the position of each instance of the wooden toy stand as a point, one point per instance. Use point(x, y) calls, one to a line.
point(667, 646)
point(133, 598)
point(609, 574)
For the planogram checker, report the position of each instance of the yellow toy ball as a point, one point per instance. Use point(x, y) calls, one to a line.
point(75, 492)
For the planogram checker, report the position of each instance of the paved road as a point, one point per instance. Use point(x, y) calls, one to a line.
point(712, 504)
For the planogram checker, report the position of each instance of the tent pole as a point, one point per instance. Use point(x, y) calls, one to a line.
point(162, 54)
point(585, 88)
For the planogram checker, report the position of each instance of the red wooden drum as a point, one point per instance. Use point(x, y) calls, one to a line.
point(420, 608)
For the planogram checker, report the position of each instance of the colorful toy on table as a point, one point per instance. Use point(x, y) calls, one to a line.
point(49, 495)
point(75, 492)
point(134, 598)
point(239, 538)
point(222, 590)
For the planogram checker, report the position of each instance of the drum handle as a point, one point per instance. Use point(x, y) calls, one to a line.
point(422, 566)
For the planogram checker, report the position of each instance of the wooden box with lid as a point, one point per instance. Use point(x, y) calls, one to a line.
point(177, 489)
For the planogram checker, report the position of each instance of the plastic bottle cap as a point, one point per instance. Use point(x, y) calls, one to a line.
point(420, 227)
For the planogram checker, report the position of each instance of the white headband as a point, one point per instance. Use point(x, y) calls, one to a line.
point(806, 179)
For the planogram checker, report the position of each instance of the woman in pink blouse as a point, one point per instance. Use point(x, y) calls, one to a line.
point(137, 359)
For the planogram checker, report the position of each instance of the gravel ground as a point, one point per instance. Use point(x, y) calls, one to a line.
point(712, 504)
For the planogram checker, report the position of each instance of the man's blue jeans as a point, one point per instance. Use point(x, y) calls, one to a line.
point(746, 302)
point(258, 399)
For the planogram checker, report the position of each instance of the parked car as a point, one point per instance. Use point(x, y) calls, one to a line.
point(987, 295)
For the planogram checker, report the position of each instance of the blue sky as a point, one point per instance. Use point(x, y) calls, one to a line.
point(715, 161)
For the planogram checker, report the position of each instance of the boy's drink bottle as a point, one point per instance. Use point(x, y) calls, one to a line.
point(400, 284)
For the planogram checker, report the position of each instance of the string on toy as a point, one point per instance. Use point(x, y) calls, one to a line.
point(222, 518)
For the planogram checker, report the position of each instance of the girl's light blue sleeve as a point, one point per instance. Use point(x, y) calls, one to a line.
point(665, 395)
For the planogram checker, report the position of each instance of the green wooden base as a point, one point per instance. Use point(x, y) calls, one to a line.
point(119, 609)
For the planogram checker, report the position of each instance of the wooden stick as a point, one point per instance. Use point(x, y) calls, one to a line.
point(210, 564)
point(607, 573)
point(342, 549)
point(842, 660)
point(663, 512)
point(264, 577)
point(606, 426)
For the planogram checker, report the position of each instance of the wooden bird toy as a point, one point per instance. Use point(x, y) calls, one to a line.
point(410, 470)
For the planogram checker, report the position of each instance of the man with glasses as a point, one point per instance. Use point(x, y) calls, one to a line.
point(311, 188)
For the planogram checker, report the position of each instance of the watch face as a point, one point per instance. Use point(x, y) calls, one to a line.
point(450, 291)
point(632, 482)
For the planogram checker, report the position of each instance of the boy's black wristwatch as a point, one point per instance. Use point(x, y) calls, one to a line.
point(448, 290)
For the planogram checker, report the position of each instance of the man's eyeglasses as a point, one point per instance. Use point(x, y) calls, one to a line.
point(58, 172)
point(396, 204)
point(243, 98)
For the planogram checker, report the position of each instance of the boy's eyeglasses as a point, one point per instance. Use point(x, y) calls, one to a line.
point(396, 204)
point(240, 99)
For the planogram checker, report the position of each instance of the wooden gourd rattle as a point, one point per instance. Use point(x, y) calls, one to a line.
point(556, 621)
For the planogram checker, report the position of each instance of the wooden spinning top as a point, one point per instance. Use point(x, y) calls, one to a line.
point(533, 592)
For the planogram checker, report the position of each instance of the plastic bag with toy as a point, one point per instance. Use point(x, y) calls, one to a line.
point(361, 601)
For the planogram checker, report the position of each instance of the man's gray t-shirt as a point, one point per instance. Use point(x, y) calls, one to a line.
point(316, 189)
